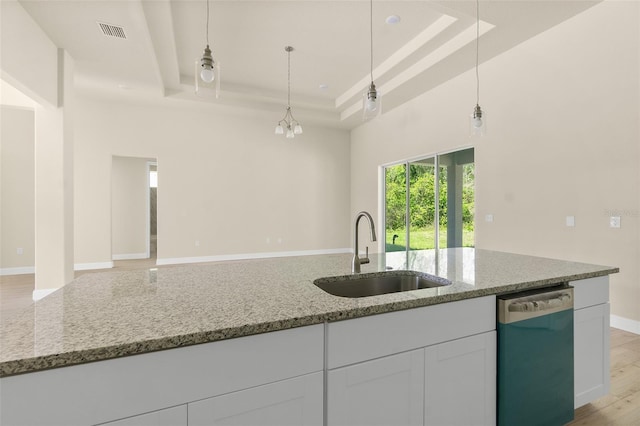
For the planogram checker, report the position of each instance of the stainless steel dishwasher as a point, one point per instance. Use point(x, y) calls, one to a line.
point(535, 357)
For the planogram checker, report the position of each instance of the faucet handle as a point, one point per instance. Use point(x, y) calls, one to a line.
point(365, 259)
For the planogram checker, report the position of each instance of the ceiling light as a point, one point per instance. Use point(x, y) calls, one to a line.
point(371, 99)
point(288, 122)
point(478, 119)
point(392, 19)
point(207, 72)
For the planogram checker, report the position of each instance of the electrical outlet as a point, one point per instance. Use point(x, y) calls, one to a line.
point(614, 222)
point(488, 218)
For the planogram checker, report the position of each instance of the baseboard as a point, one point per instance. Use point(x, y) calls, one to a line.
point(245, 256)
point(21, 270)
point(88, 266)
point(39, 294)
point(130, 256)
point(625, 324)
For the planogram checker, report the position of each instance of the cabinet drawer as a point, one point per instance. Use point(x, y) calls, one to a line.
point(296, 401)
point(176, 416)
point(590, 292)
point(375, 336)
point(102, 391)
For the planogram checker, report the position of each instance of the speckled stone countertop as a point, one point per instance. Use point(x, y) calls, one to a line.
point(111, 314)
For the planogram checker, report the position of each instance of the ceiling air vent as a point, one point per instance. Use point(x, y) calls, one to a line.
point(112, 30)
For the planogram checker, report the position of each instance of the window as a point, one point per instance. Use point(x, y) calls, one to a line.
point(429, 203)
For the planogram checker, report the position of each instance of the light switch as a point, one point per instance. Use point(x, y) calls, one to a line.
point(19, 251)
point(614, 222)
point(488, 218)
point(571, 221)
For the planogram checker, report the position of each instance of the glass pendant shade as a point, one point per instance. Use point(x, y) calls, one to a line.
point(477, 122)
point(279, 130)
point(371, 104)
point(297, 129)
point(207, 75)
point(290, 134)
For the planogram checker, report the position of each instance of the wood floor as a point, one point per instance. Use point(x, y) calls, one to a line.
point(620, 408)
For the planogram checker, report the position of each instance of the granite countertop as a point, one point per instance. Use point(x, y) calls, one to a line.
point(111, 314)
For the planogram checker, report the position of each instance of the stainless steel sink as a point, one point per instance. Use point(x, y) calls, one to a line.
point(376, 284)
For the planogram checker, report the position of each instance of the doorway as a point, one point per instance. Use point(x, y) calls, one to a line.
point(134, 186)
point(152, 168)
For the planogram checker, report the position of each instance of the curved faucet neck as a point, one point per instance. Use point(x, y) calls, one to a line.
point(372, 229)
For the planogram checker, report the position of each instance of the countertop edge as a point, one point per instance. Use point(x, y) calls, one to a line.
point(46, 362)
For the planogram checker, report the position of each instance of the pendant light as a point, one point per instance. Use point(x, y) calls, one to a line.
point(478, 119)
point(371, 104)
point(288, 122)
point(207, 72)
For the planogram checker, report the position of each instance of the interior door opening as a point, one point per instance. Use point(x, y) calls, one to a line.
point(134, 186)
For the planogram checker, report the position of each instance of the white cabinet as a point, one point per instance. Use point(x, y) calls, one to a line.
point(385, 391)
point(460, 381)
point(175, 416)
point(120, 388)
point(591, 339)
point(434, 365)
point(296, 401)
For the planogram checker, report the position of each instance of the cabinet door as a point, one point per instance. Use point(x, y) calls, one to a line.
point(176, 416)
point(460, 381)
point(297, 401)
point(591, 349)
point(385, 391)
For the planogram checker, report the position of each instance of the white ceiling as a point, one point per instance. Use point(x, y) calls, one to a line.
point(434, 42)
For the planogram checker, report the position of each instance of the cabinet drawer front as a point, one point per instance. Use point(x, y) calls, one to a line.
point(590, 292)
point(361, 339)
point(176, 416)
point(297, 401)
point(102, 391)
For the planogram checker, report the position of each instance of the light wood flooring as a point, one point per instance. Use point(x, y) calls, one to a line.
point(620, 408)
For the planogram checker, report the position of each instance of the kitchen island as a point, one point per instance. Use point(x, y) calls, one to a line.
point(253, 322)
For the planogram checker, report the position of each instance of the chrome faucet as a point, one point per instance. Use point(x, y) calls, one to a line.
point(357, 261)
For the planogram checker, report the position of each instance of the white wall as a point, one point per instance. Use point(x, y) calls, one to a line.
point(28, 58)
point(129, 207)
point(564, 139)
point(17, 190)
point(227, 184)
point(31, 62)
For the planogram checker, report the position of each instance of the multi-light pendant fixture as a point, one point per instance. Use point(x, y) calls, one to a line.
point(289, 123)
point(371, 99)
point(207, 73)
point(478, 119)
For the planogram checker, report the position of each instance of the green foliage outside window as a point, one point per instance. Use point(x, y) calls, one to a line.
point(422, 211)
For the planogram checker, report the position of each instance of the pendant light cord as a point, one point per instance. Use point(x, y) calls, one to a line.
point(477, 51)
point(371, 29)
point(288, 78)
point(207, 22)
